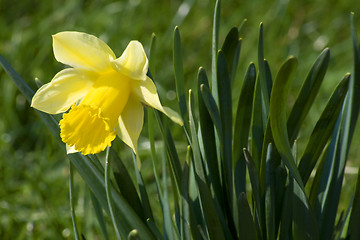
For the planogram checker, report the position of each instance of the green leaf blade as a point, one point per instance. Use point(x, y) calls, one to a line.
point(323, 129)
point(307, 94)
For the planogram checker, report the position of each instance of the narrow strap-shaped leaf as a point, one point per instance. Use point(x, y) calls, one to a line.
point(179, 73)
point(231, 49)
point(154, 164)
point(212, 108)
point(315, 193)
point(151, 55)
point(167, 221)
point(286, 213)
point(265, 91)
point(108, 196)
point(214, 50)
point(280, 191)
point(328, 190)
point(347, 129)
point(247, 230)
point(304, 223)
point(257, 129)
point(127, 190)
point(185, 224)
point(72, 204)
point(19, 82)
point(254, 180)
point(270, 194)
point(343, 222)
point(208, 139)
point(323, 130)
point(354, 98)
point(225, 107)
point(171, 149)
point(354, 230)
point(99, 214)
point(307, 94)
point(149, 218)
point(278, 116)
point(242, 127)
point(216, 228)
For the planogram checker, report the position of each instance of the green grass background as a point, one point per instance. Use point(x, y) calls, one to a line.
point(34, 172)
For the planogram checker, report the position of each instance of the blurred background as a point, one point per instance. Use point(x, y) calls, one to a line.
point(34, 201)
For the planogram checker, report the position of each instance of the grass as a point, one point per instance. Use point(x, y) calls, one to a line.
point(34, 173)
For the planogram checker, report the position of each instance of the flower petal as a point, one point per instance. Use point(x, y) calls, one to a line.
point(133, 62)
point(67, 87)
point(82, 50)
point(131, 122)
point(146, 91)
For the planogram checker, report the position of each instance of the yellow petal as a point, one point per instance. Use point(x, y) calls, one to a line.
point(146, 92)
point(81, 50)
point(67, 87)
point(133, 62)
point(131, 122)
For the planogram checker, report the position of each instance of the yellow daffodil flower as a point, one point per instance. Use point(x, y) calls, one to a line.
point(105, 94)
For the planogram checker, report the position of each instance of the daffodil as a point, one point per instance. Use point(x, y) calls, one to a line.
point(105, 94)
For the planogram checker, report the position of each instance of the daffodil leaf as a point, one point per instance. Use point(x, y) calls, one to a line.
point(19, 82)
point(169, 232)
point(99, 214)
point(147, 212)
point(323, 130)
point(286, 212)
point(354, 230)
point(242, 127)
point(354, 94)
point(280, 191)
point(254, 180)
point(208, 139)
point(231, 49)
point(265, 90)
point(247, 230)
point(151, 56)
point(242, 26)
point(257, 129)
point(150, 122)
point(214, 50)
point(212, 108)
point(316, 194)
point(186, 221)
point(179, 73)
point(278, 116)
point(270, 194)
point(225, 109)
point(215, 225)
point(342, 142)
point(307, 94)
point(159, 189)
point(175, 165)
point(304, 222)
point(116, 224)
point(122, 176)
point(72, 204)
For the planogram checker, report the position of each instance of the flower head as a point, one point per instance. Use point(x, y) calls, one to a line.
point(105, 94)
